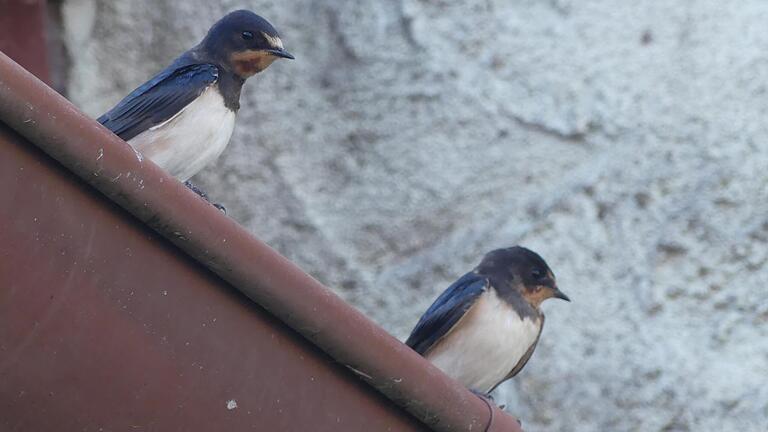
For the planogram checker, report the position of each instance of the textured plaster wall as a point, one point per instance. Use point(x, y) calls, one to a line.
point(626, 142)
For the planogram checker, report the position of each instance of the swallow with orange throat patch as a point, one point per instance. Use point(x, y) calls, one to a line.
point(183, 117)
point(483, 329)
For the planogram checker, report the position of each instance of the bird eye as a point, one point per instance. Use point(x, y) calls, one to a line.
point(247, 35)
point(537, 274)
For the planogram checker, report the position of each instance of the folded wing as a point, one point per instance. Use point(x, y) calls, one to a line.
point(159, 99)
point(446, 311)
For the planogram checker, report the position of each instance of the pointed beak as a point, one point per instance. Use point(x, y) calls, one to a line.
point(561, 295)
point(281, 53)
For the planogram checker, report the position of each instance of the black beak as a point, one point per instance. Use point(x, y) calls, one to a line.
point(561, 295)
point(281, 53)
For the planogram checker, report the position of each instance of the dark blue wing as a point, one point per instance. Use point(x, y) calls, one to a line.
point(159, 99)
point(446, 311)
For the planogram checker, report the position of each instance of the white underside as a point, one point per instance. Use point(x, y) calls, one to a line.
point(486, 344)
point(190, 140)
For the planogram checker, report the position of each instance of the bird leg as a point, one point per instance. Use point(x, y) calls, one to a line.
point(486, 397)
point(204, 196)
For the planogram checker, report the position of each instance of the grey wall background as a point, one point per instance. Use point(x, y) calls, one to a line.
point(624, 141)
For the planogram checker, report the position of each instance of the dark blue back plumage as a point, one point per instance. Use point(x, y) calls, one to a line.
point(446, 311)
point(160, 98)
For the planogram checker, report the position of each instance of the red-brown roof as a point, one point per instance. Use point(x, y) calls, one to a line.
point(126, 300)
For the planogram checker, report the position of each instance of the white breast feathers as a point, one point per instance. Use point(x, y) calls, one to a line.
point(191, 139)
point(486, 344)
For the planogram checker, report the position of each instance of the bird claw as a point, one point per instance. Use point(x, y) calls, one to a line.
point(488, 399)
point(484, 396)
point(196, 190)
point(204, 196)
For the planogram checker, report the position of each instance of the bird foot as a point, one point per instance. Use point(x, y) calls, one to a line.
point(196, 190)
point(488, 399)
point(484, 396)
point(204, 196)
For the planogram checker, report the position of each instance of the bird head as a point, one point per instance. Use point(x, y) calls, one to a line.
point(244, 42)
point(524, 271)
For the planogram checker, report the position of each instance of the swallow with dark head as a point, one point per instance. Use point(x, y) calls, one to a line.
point(183, 117)
point(484, 328)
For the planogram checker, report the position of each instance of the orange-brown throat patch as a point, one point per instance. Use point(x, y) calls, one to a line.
point(251, 62)
point(537, 295)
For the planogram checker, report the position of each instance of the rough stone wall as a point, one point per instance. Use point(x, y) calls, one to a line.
point(624, 141)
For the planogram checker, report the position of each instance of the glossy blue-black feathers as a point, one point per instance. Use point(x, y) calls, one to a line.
point(446, 311)
point(159, 99)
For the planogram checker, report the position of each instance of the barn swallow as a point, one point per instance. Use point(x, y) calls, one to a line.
point(483, 329)
point(183, 117)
